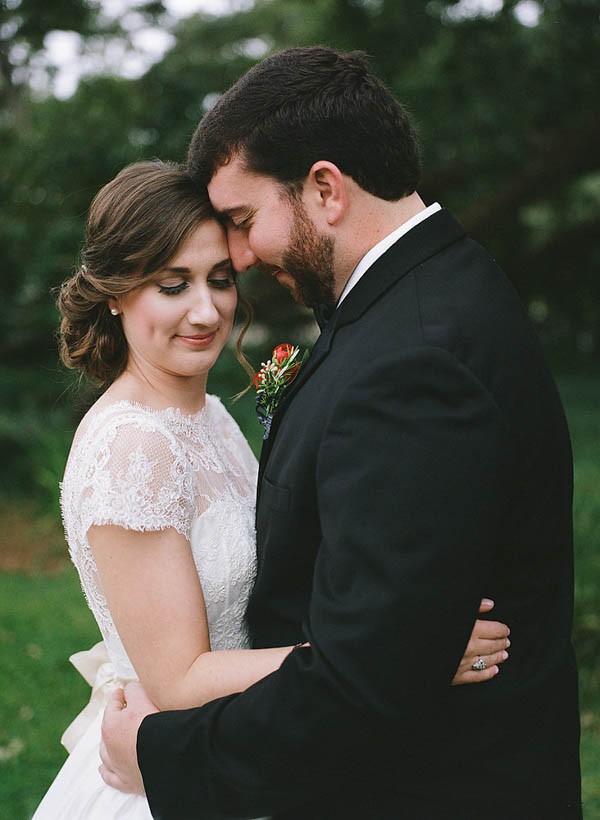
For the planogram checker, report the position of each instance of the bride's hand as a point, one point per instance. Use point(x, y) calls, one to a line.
point(488, 644)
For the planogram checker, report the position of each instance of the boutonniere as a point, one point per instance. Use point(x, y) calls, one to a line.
point(273, 378)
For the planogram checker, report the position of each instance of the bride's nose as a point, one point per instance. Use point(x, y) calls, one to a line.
point(202, 309)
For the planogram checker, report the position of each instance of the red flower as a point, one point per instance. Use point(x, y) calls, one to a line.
point(282, 351)
point(272, 380)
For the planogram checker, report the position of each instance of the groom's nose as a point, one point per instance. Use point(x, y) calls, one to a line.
point(242, 255)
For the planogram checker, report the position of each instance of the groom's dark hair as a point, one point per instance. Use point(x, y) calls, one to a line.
point(307, 104)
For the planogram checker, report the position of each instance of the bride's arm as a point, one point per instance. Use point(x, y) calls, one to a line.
point(155, 599)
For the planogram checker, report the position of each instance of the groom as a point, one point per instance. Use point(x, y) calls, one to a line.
point(420, 458)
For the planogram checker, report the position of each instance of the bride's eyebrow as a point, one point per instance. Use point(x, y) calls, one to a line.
point(224, 264)
point(179, 269)
point(182, 270)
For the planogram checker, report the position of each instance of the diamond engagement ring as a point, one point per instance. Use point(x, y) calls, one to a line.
point(479, 665)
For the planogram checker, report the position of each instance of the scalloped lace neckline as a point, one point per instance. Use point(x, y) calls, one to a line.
point(173, 415)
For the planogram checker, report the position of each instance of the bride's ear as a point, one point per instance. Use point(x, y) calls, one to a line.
point(325, 193)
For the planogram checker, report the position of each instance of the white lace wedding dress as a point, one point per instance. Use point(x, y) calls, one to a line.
point(144, 469)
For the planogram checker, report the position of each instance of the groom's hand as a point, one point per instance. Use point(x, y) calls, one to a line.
point(123, 716)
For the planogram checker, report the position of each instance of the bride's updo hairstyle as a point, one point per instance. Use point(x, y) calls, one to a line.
point(135, 225)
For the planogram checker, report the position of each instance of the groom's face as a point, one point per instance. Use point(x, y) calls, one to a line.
point(270, 230)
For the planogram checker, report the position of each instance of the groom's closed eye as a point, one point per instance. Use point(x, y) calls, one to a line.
point(239, 216)
point(241, 222)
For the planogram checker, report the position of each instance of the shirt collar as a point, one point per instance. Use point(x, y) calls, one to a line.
point(381, 247)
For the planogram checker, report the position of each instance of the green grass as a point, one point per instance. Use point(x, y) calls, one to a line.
point(43, 619)
point(581, 396)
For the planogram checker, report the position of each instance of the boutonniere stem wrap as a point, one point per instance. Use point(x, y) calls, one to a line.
point(273, 378)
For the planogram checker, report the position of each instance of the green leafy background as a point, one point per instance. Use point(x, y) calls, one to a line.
point(509, 123)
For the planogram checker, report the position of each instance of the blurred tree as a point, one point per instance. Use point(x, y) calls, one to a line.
point(505, 104)
point(25, 25)
point(55, 154)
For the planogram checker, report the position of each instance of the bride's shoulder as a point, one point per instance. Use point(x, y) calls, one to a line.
point(221, 419)
point(128, 467)
point(118, 413)
point(218, 411)
point(120, 427)
point(215, 403)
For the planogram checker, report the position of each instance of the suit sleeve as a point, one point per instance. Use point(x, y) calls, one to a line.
point(412, 486)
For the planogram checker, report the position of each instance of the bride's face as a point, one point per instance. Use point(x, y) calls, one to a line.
point(178, 321)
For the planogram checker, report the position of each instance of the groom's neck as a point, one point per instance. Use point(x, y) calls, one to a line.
point(369, 219)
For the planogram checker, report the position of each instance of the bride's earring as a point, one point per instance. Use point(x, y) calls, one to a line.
point(114, 311)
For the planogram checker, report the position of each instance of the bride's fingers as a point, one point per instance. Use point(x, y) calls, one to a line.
point(484, 647)
point(466, 673)
point(472, 676)
point(490, 630)
point(491, 660)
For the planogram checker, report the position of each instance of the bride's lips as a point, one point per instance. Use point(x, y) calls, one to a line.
point(199, 340)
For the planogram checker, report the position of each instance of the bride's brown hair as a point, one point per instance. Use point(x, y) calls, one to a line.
point(136, 224)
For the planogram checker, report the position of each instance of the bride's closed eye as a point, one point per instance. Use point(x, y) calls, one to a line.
point(222, 282)
point(173, 290)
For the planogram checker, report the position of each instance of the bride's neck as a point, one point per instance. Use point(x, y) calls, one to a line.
point(159, 390)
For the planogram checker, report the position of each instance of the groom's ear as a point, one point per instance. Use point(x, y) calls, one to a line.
point(324, 192)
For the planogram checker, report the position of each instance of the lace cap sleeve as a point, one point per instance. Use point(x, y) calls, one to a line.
point(136, 476)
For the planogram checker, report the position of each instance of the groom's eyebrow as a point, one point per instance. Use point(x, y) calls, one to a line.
point(225, 213)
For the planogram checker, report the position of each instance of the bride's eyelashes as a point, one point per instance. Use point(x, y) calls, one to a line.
point(173, 290)
point(222, 276)
point(219, 283)
point(222, 282)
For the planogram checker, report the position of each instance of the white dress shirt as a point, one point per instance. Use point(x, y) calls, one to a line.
point(381, 247)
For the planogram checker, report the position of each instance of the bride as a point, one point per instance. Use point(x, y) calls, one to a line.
point(159, 489)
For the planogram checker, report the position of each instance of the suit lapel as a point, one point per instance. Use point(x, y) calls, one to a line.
point(421, 243)
point(318, 353)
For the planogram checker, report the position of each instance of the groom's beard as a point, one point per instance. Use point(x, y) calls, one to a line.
point(309, 261)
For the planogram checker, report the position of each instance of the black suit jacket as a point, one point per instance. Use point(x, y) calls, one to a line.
point(420, 461)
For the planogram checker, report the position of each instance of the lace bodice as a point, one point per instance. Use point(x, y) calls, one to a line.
point(146, 469)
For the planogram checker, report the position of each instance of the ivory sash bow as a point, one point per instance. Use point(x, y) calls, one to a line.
point(98, 670)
